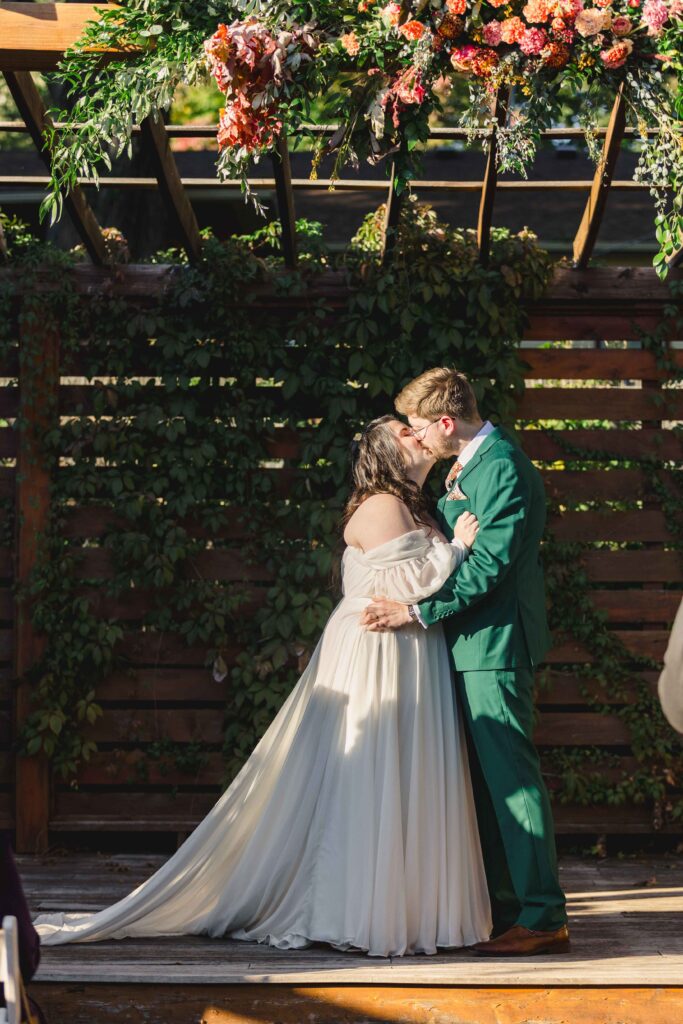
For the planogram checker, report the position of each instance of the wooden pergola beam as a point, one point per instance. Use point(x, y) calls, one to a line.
point(171, 187)
point(320, 184)
point(282, 172)
point(31, 107)
point(488, 192)
point(589, 227)
point(33, 37)
point(392, 215)
point(676, 260)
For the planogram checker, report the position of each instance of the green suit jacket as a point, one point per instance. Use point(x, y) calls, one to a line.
point(493, 607)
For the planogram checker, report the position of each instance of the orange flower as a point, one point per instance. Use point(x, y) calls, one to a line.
point(412, 29)
point(350, 43)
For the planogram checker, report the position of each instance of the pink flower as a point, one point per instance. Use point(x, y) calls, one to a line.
point(412, 29)
point(536, 11)
point(590, 22)
point(462, 57)
point(676, 9)
point(497, 3)
point(655, 16)
point(622, 25)
point(391, 13)
point(512, 30)
point(616, 56)
point(492, 33)
point(350, 42)
point(533, 41)
point(456, 6)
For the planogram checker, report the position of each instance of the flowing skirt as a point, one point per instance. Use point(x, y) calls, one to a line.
point(352, 823)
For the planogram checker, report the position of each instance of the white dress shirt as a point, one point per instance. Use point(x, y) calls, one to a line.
point(468, 452)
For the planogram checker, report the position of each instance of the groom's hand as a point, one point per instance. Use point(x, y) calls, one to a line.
point(383, 615)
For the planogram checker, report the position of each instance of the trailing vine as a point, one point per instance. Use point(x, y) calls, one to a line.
point(219, 423)
point(612, 683)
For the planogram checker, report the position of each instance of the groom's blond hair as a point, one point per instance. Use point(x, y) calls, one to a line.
point(441, 391)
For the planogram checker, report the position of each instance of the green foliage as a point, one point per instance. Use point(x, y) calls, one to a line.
point(194, 451)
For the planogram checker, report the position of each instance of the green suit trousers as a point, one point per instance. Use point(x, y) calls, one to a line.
point(513, 809)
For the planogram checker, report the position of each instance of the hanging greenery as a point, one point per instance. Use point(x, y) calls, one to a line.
point(380, 72)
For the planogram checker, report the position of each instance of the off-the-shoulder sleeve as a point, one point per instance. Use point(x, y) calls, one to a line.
point(416, 571)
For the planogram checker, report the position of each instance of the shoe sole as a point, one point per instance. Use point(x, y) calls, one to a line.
point(560, 947)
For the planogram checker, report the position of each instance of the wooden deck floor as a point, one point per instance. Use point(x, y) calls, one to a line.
point(626, 919)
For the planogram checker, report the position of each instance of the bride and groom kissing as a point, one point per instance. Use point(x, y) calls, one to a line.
point(395, 804)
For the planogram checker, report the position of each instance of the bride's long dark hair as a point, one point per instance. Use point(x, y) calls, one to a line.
point(378, 467)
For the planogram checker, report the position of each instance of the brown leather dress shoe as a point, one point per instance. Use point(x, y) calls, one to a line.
point(519, 941)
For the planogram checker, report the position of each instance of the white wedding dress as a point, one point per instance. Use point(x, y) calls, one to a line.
point(352, 823)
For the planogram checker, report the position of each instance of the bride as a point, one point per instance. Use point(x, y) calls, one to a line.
point(352, 823)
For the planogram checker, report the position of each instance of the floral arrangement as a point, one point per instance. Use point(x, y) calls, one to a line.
point(380, 71)
point(394, 59)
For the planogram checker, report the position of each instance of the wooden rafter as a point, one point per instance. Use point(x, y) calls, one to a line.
point(320, 184)
point(488, 192)
point(282, 172)
point(676, 260)
point(391, 217)
point(33, 37)
point(170, 185)
point(587, 234)
point(31, 107)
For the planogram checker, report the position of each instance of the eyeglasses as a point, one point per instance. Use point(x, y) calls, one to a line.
point(419, 432)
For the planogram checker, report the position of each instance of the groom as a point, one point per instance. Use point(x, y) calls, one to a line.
point(493, 611)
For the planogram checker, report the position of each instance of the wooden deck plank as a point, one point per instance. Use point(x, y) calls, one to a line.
point(624, 918)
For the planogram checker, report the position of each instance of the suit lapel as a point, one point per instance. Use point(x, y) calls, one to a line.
point(496, 434)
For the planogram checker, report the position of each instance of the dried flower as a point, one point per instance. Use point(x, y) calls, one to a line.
point(484, 62)
point(450, 26)
point(555, 55)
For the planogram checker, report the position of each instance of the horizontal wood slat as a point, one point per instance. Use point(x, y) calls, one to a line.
point(616, 403)
point(163, 812)
point(633, 566)
point(651, 643)
point(543, 445)
point(594, 364)
point(639, 525)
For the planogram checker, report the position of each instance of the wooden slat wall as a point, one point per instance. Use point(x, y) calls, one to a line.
point(8, 449)
point(171, 695)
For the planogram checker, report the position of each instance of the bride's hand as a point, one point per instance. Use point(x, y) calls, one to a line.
point(466, 528)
